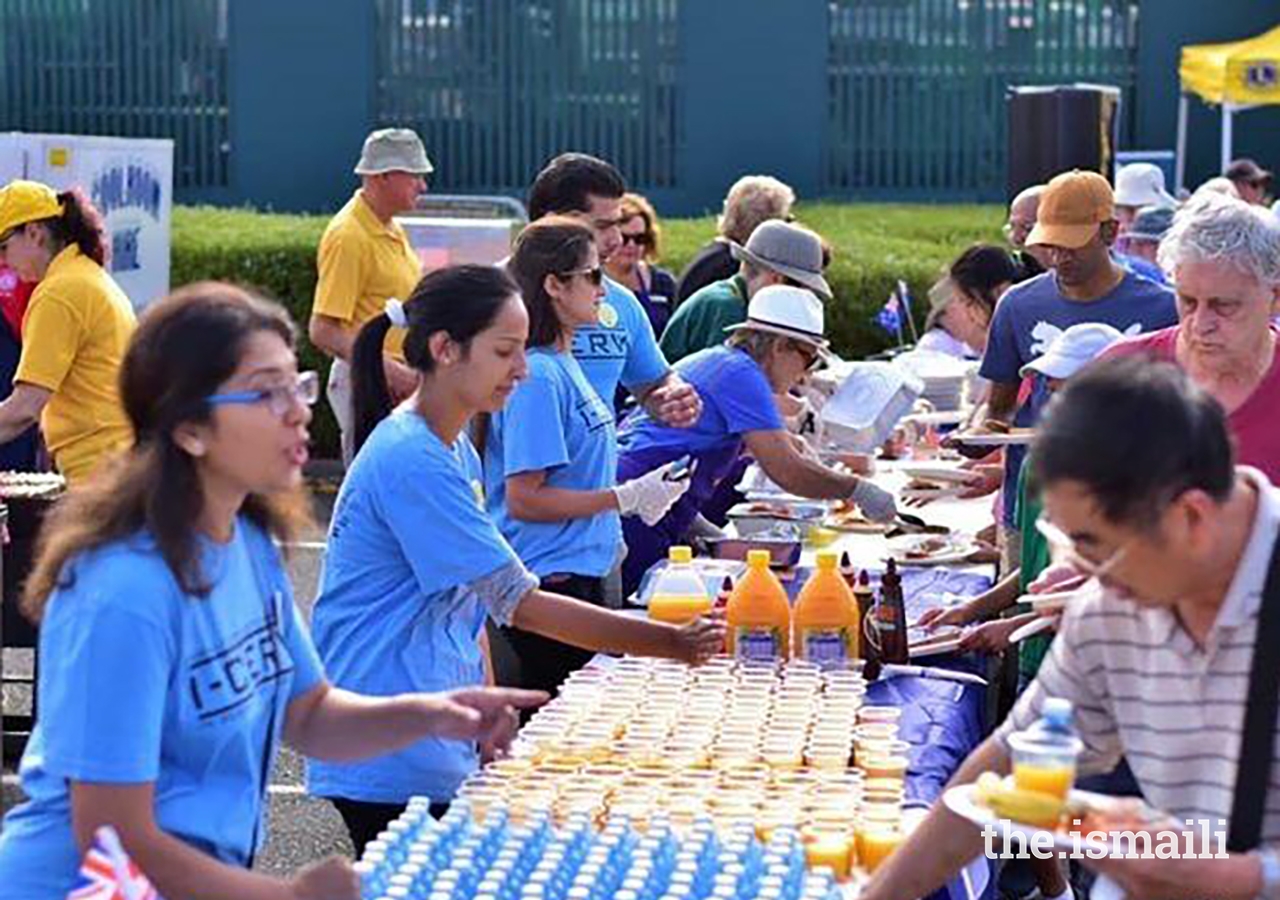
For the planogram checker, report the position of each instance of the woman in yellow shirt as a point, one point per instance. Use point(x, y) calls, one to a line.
point(75, 331)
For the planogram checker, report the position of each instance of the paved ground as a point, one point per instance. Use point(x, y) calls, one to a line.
point(301, 828)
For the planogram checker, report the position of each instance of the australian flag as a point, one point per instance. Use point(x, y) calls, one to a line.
point(108, 873)
point(890, 316)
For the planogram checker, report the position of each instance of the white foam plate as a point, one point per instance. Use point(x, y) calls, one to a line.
point(1031, 628)
point(995, 440)
point(1049, 603)
point(957, 550)
point(941, 474)
point(948, 493)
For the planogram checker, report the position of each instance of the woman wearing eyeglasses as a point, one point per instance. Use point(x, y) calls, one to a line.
point(74, 332)
point(173, 660)
point(634, 263)
point(739, 381)
point(415, 565)
point(551, 452)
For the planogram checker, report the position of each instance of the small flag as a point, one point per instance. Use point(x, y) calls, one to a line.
point(108, 873)
point(890, 316)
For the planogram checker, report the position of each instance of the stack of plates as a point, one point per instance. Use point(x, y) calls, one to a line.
point(944, 377)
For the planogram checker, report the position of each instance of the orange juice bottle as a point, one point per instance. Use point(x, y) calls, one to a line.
point(826, 618)
point(679, 596)
point(759, 616)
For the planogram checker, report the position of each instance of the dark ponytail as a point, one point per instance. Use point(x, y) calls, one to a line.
point(461, 301)
point(80, 224)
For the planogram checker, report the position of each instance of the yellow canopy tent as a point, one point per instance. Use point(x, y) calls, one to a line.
point(1237, 76)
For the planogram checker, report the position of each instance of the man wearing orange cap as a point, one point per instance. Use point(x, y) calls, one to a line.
point(1074, 232)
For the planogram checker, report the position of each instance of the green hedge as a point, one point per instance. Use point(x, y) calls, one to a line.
point(875, 245)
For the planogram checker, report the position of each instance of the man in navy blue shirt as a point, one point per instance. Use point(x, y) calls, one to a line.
point(1075, 230)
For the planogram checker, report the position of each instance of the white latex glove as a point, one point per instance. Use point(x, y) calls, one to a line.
point(876, 503)
point(651, 495)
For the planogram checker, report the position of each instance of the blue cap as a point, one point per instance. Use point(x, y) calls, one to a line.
point(1056, 712)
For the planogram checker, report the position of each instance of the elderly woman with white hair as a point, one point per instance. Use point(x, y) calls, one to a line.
point(753, 199)
point(1224, 258)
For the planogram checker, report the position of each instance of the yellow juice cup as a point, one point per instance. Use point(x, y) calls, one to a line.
point(1054, 780)
point(890, 714)
point(832, 849)
point(876, 843)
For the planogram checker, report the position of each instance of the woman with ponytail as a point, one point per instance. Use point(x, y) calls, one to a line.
point(75, 331)
point(173, 660)
point(415, 565)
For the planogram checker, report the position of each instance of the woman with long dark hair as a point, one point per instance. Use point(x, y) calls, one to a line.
point(173, 660)
point(75, 330)
point(551, 453)
point(415, 564)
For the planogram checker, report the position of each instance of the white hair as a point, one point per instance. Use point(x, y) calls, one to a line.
point(1213, 227)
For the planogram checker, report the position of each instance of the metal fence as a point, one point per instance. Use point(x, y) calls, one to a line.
point(914, 88)
point(126, 68)
point(917, 87)
point(496, 87)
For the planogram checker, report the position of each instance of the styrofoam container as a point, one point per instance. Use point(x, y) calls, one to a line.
point(862, 413)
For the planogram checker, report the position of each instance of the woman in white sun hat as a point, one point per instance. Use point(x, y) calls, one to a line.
point(782, 339)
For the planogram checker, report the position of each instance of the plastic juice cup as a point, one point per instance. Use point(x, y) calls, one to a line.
point(827, 757)
point(876, 843)
point(884, 766)
point(831, 849)
point(880, 714)
point(876, 730)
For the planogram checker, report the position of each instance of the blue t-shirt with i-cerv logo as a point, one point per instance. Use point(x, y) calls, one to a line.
point(555, 422)
point(143, 684)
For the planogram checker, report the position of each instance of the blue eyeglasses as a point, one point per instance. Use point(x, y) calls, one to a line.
point(279, 399)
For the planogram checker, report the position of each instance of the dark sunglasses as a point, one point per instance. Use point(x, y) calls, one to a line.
point(640, 240)
point(595, 275)
point(808, 353)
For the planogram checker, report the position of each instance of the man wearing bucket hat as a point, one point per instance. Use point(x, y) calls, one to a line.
point(1075, 228)
point(776, 253)
point(365, 259)
point(1139, 185)
point(781, 339)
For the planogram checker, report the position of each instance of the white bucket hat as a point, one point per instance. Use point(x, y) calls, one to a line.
point(793, 312)
point(1072, 350)
point(1142, 184)
point(788, 250)
point(393, 150)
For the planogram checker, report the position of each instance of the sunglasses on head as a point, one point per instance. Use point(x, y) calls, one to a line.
point(595, 275)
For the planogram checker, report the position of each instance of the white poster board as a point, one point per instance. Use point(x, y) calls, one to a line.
point(130, 181)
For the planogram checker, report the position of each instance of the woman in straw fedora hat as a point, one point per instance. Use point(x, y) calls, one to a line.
point(781, 340)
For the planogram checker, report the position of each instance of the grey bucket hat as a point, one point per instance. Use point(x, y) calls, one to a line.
point(788, 250)
point(393, 150)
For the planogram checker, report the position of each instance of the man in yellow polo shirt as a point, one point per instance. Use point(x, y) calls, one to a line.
point(365, 259)
point(75, 332)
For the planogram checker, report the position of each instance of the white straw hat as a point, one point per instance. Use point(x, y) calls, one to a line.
point(794, 312)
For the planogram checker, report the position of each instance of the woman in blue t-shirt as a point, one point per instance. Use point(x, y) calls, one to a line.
point(415, 564)
point(173, 660)
point(551, 453)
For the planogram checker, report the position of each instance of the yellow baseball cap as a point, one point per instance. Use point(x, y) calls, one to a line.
point(27, 201)
point(1072, 207)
